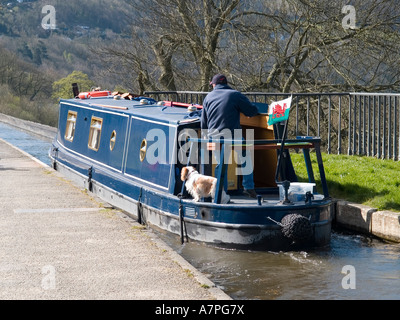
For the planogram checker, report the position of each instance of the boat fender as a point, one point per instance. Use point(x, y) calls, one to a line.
point(140, 212)
point(296, 227)
point(182, 223)
point(54, 165)
point(94, 94)
point(90, 175)
point(54, 162)
point(140, 208)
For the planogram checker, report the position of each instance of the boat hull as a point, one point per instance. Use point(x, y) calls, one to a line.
point(200, 220)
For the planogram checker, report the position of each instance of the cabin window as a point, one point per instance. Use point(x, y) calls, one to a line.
point(71, 124)
point(95, 133)
point(112, 140)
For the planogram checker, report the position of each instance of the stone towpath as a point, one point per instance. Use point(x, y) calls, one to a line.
point(60, 243)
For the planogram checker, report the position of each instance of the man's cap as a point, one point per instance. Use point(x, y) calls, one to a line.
point(219, 79)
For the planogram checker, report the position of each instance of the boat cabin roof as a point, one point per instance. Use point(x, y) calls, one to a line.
point(151, 110)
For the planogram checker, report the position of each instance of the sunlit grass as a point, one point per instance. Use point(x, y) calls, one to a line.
point(363, 180)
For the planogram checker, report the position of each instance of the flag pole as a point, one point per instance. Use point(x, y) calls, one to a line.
point(278, 168)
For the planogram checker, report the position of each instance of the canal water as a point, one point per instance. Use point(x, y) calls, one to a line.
point(352, 267)
point(318, 274)
point(27, 142)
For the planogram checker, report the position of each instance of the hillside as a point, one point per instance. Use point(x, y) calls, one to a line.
point(32, 58)
point(57, 52)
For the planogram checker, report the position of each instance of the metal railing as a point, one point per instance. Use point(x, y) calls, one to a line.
point(348, 123)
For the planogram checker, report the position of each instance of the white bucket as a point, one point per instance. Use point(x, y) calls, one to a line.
point(297, 191)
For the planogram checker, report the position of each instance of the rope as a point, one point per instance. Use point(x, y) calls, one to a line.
point(296, 227)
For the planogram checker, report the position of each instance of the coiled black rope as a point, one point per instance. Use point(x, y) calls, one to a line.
point(296, 227)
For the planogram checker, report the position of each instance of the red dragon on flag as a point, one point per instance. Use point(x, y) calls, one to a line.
point(279, 111)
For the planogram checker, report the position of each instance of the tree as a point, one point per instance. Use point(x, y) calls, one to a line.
point(23, 78)
point(170, 37)
point(261, 45)
point(307, 46)
point(37, 59)
point(26, 51)
point(63, 87)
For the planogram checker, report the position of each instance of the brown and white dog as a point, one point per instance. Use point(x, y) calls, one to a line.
point(200, 186)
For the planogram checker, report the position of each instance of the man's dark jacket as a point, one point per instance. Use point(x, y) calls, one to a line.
point(222, 108)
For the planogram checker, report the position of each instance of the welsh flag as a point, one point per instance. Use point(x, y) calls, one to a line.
point(279, 111)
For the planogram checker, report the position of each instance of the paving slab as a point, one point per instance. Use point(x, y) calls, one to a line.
point(58, 242)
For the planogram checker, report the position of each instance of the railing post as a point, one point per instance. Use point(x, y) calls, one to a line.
point(355, 126)
point(319, 117)
point(364, 144)
point(329, 123)
point(339, 148)
point(359, 127)
point(390, 133)
point(379, 129)
point(374, 127)
point(297, 115)
point(349, 150)
point(384, 153)
point(395, 133)
point(369, 128)
point(308, 115)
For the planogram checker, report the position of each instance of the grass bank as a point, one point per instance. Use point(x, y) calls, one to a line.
point(364, 180)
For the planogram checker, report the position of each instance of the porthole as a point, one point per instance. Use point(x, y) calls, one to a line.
point(112, 140)
point(143, 150)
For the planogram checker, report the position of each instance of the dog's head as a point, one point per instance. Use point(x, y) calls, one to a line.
point(186, 171)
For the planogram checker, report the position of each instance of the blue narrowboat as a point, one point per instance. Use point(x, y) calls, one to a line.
point(130, 151)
